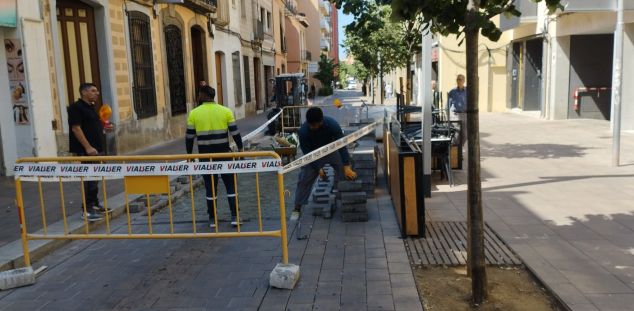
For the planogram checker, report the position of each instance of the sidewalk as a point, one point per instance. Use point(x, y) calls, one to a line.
point(549, 191)
point(9, 228)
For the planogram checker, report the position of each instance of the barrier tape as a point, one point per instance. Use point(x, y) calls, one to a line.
point(247, 137)
point(92, 171)
point(330, 148)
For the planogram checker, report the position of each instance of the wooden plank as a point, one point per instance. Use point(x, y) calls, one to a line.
point(459, 241)
point(503, 258)
point(447, 249)
point(437, 245)
point(511, 258)
point(419, 247)
point(409, 192)
point(429, 248)
point(453, 240)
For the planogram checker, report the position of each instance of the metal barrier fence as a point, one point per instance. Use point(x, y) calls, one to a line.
point(145, 176)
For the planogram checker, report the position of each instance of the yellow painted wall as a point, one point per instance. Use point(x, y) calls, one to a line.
point(492, 69)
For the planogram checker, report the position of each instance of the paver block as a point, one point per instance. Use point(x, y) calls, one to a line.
point(354, 208)
point(354, 197)
point(364, 155)
point(349, 186)
point(284, 276)
point(354, 217)
point(16, 278)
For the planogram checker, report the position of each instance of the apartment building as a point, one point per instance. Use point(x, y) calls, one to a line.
point(296, 29)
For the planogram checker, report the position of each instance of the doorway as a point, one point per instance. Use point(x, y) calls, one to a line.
point(199, 60)
point(533, 75)
point(76, 26)
point(259, 104)
point(219, 79)
point(516, 62)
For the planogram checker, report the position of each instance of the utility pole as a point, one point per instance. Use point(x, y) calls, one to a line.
point(425, 102)
point(616, 85)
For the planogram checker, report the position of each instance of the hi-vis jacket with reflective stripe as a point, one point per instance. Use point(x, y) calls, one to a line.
point(211, 125)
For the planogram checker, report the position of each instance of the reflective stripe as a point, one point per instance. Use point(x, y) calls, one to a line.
point(190, 136)
point(231, 195)
point(213, 141)
point(234, 133)
point(210, 198)
point(191, 127)
point(224, 131)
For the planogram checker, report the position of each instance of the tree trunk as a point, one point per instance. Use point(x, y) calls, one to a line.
point(408, 82)
point(474, 191)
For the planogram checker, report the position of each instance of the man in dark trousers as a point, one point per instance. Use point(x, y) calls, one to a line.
point(211, 124)
point(316, 132)
point(85, 139)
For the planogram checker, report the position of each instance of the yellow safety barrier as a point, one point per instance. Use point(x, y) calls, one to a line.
point(145, 175)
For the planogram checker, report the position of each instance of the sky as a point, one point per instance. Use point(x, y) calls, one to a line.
point(343, 21)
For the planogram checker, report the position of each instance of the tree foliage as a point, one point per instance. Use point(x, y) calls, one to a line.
point(326, 74)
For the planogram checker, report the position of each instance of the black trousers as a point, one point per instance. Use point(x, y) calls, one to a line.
point(91, 190)
point(230, 186)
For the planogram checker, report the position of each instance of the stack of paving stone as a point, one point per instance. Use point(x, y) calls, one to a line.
point(322, 201)
point(364, 159)
point(353, 201)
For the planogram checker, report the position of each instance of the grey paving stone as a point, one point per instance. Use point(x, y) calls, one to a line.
point(380, 302)
point(612, 302)
point(379, 288)
point(377, 275)
point(299, 307)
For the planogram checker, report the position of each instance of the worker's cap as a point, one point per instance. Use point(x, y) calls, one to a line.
point(207, 90)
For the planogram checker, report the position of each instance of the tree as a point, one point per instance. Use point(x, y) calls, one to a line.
point(466, 18)
point(326, 75)
point(376, 41)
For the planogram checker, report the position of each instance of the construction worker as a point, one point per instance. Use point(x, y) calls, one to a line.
point(317, 132)
point(211, 125)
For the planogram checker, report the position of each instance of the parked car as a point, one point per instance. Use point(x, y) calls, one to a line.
point(352, 85)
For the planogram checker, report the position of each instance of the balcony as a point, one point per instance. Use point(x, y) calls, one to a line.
point(324, 44)
point(324, 25)
point(201, 6)
point(301, 18)
point(307, 56)
point(529, 14)
point(222, 15)
point(324, 7)
point(290, 8)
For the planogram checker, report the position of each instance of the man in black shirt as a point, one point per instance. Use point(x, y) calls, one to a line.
point(85, 140)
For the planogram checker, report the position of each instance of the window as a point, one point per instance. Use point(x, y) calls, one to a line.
point(247, 78)
point(268, 21)
point(237, 81)
point(143, 91)
point(174, 49)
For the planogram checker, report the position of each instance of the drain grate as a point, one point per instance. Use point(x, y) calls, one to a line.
point(446, 244)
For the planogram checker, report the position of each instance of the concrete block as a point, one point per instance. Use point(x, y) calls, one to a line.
point(284, 276)
point(354, 208)
point(354, 197)
point(136, 207)
point(16, 278)
point(354, 217)
point(349, 186)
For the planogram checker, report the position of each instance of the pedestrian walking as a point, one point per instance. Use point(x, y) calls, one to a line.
point(457, 103)
point(85, 139)
point(211, 124)
point(316, 132)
